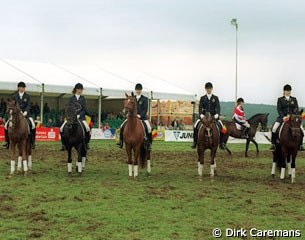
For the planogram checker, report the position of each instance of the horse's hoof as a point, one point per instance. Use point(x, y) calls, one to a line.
point(25, 173)
point(80, 174)
point(200, 178)
point(272, 175)
point(18, 172)
point(130, 178)
point(135, 178)
point(70, 174)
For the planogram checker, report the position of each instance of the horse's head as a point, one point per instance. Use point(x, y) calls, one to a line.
point(295, 122)
point(71, 114)
point(130, 103)
point(207, 122)
point(13, 110)
point(264, 122)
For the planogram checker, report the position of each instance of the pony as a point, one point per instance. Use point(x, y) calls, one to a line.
point(73, 134)
point(287, 146)
point(133, 135)
point(208, 138)
point(254, 121)
point(19, 135)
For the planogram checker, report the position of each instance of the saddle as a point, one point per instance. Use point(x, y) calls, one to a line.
point(239, 126)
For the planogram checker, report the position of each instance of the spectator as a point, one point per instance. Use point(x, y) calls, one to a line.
point(38, 122)
point(36, 109)
point(181, 125)
point(50, 123)
point(2, 107)
point(46, 109)
point(175, 124)
point(60, 121)
point(2, 122)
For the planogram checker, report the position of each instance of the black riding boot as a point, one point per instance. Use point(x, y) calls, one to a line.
point(121, 143)
point(63, 148)
point(221, 141)
point(301, 148)
point(33, 137)
point(87, 136)
point(245, 133)
point(149, 138)
point(7, 140)
point(273, 140)
point(195, 137)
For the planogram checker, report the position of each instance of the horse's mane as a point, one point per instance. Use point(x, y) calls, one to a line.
point(256, 115)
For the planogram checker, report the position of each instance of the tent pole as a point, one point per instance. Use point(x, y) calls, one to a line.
point(100, 108)
point(41, 102)
point(149, 105)
point(158, 112)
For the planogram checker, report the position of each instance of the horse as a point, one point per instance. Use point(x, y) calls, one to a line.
point(208, 138)
point(287, 146)
point(133, 135)
point(19, 134)
point(254, 121)
point(74, 136)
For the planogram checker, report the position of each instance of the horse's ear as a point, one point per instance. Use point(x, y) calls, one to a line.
point(301, 111)
point(267, 114)
point(126, 95)
point(132, 94)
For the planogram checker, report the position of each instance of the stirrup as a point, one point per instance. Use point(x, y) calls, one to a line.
point(301, 148)
point(272, 148)
point(194, 145)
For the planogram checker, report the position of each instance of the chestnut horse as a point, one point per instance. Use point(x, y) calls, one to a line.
point(254, 121)
point(287, 146)
point(133, 135)
point(208, 138)
point(19, 134)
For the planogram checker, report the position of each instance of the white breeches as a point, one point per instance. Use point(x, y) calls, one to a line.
point(277, 124)
point(31, 120)
point(197, 122)
point(84, 122)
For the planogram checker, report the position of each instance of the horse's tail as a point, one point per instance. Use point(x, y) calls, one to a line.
point(277, 154)
point(143, 158)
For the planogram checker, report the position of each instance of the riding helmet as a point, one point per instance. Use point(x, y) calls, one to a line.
point(239, 100)
point(79, 86)
point(138, 86)
point(287, 87)
point(21, 84)
point(208, 85)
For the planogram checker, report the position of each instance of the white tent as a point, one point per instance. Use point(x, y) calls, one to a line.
point(48, 79)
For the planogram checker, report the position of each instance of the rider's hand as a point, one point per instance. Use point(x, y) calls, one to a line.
point(201, 116)
point(286, 118)
point(25, 113)
point(78, 116)
point(138, 116)
point(216, 116)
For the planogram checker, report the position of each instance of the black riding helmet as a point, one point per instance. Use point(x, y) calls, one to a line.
point(240, 100)
point(79, 86)
point(287, 87)
point(208, 85)
point(21, 84)
point(138, 86)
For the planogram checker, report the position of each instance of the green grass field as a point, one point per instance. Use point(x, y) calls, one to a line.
point(170, 204)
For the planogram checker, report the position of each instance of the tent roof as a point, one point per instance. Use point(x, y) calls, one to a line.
point(60, 79)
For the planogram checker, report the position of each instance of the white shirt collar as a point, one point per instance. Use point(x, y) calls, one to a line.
point(209, 96)
point(77, 96)
point(21, 94)
point(287, 98)
point(138, 97)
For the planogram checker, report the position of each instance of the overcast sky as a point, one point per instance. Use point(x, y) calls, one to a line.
point(185, 42)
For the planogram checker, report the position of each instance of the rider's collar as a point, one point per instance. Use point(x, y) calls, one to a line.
point(77, 96)
point(287, 98)
point(21, 94)
point(138, 97)
point(209, 95)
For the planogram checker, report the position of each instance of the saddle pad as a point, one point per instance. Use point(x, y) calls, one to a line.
point(238, 126)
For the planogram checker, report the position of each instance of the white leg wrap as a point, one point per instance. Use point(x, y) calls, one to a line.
point(19, 165)
point(69, 167)
point(148, 125)
point(148, 166)
point(282, 173)
point(292, 172)
point(25, 165)
point(80, 167)
point(12, 166)
point(273, 168)
point(84, 162)
point(212, 167)
point(289, 168)
point(130, 170)
point(200, 168)
point(30, 162)
point(135, 169)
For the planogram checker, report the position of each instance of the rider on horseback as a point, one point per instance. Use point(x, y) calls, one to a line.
point(240, 117)
point(82, 111)
point(208, 103)
point(142, 107)
point(286, 106)
point(24, 101)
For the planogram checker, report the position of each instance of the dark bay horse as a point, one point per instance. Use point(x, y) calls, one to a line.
point(287, 146)
point(74, 136)
point(133, 135)
point(19, 135)
point(254, 121)
point(208, 138)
